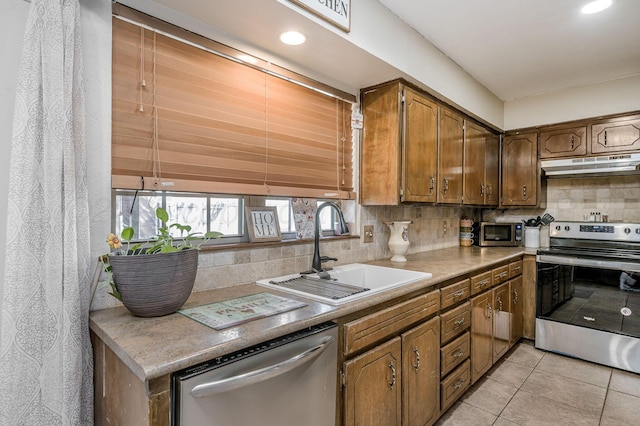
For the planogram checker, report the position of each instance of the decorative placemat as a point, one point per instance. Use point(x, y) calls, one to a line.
point(225, 314)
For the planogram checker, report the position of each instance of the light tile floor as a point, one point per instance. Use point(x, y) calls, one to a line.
point(533, 387)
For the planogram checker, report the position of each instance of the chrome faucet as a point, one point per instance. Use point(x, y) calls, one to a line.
point(316, 265)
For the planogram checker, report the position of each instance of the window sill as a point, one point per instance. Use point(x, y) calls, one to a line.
point(237, 246)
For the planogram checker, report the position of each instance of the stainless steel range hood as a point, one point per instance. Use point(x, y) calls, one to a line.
point(611, 165)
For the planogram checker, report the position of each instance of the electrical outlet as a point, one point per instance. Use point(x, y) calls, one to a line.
point(444, 226)
point(368, 233)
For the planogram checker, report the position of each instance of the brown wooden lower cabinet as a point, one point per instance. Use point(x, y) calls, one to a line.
point(373, 386)
point(397, 381)
point(501, 321)
point(421, 374)
point(481, 335)
point(517, 310)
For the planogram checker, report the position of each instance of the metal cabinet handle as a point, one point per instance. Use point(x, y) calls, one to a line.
point(459, 384)
point(458, 293)
point(392, 367)
point(499, 304)
point(446, 185)
point(489, 311)
point(524, 190)
point(483, 283)
point(482, 189)
point(571, 141)
point(605, 138)
point(432, 184)
point(515, 296)
point(416, 365)
point(458, 354)
point(459, 322)
point(254, 376)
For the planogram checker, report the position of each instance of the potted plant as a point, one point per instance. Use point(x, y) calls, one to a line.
point(155, 277)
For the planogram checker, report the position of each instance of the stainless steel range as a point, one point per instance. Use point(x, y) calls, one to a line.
point(588, 293)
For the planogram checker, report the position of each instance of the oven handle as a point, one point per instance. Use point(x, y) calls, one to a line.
point(251, 377)
point(592, 263)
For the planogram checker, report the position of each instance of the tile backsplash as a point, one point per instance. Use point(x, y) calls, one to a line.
point(566, 199)
point(224, 268)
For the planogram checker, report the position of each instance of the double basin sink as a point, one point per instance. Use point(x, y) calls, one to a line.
point(345, 283)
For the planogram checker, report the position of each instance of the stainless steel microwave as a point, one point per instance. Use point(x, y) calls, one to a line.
point(493, 234)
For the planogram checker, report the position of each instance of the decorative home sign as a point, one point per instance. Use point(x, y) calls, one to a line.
point(336, 12)
point(263, 225)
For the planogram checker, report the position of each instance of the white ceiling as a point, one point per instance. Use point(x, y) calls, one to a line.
point(515, 48)
point(520, 48)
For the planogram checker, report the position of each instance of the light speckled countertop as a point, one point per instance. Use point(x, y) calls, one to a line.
point(152, 347)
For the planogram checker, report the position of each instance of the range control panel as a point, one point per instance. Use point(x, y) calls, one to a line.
point(596, 231)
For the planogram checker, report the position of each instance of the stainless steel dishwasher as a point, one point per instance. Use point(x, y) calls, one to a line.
point(290, 380)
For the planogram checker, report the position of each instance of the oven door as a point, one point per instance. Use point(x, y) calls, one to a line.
point(589, 308)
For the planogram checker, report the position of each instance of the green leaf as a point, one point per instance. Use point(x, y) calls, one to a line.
point(127, 234)
point(162, 214)
point(213, 234)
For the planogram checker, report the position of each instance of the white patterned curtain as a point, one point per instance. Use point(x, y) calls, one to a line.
point(45, 353)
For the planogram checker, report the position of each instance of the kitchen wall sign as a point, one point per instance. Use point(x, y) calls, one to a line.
point(336, 12)
point(262, 223)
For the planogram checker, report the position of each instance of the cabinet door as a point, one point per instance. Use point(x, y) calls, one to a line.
point(373, 386)
point(616, 136)
point(501, 317)
point(421, 374)
point(517, 310)
point(492, 170)
point(520, 170)
point(380, 180)
point(450, 157)
point(420, 157)
point(563, 142)
point(481, 335)
point(474, 164)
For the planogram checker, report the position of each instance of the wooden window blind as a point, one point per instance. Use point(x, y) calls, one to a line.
point(186, 119)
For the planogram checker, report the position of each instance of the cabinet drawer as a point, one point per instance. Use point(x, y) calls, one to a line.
point(454, 385)
point(515, 268)
point(454, 293)
point(481, 282)
point(379, 325)
point(500, 274)
point(454, 353)
point(455, 322)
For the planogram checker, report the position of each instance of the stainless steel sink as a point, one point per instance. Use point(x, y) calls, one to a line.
point(346, 283)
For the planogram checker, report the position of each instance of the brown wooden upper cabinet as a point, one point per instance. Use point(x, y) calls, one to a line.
point(563, 142)
point(399, 150)
point(481, 166)
point(520, 176)
point(616, 135)
point(451, 154)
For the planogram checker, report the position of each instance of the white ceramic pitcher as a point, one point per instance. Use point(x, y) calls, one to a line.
point(399, 239)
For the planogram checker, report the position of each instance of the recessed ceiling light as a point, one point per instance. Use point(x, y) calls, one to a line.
point(292, 38)
point(596, 6)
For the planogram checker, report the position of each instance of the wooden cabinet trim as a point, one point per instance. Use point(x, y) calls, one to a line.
point(455, 293)
point(454, 353)
point(500, 274)
point(455, 385)
point(481, 282)
point(515, 268)
point(455, 321)
point(377, 326)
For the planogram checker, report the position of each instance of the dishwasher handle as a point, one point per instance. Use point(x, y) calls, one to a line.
point(251, 377)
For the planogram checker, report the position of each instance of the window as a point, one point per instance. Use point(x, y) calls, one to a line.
point(202, 212)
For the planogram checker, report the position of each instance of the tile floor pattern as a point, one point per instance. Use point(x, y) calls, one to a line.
point(533, 387)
